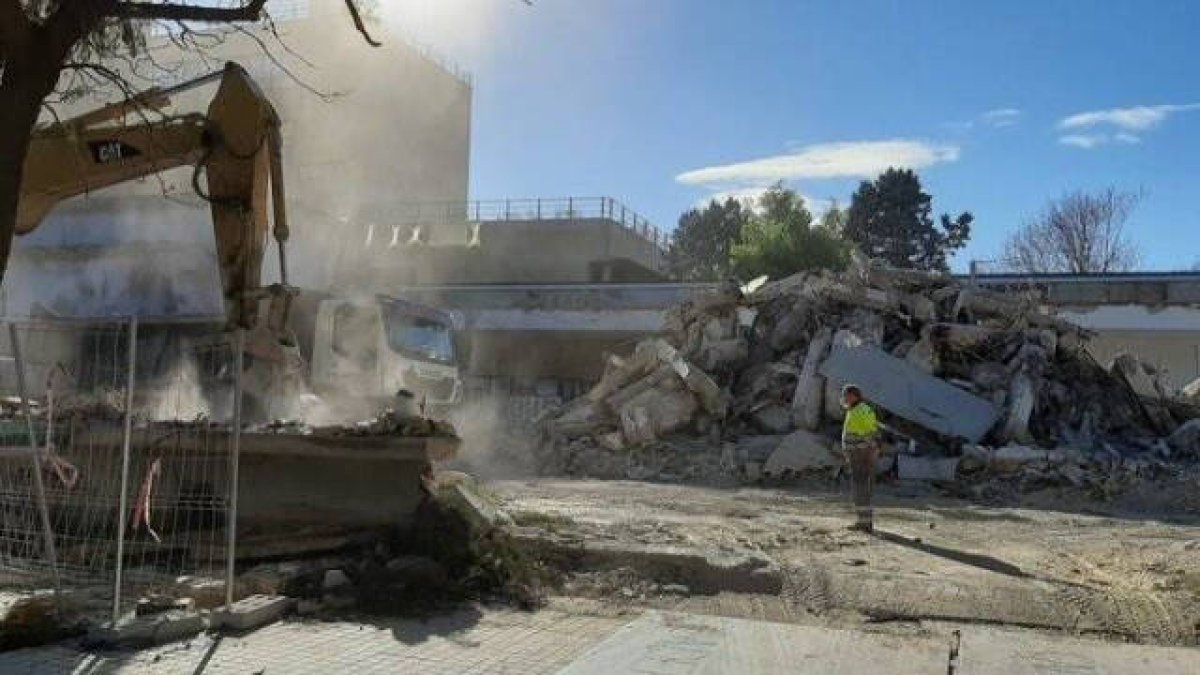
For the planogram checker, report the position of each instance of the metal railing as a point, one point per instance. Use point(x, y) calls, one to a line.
point(535, 209)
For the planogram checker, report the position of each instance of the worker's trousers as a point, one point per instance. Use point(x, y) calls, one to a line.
point(862, 455)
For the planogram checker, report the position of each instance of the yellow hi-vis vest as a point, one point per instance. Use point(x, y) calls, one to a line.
point(860, 422)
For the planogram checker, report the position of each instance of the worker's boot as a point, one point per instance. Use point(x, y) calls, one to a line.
point(864, 526)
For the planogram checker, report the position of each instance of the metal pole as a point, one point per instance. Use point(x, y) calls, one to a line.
point(234, 452)
point(38, 486)
point(126, 441)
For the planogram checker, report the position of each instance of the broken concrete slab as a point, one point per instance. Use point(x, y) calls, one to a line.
point(459, 492)
point(722, 353)
point(799, 452)
point(252, 612)
point(773, 419)
point(1144, 381)
point(842, 340)
point(909, 467)
point(1022, 395)
point(1186, 439)
point(903, 390)
point(136, 631)
point(704, 571)
point(808, 399)
point(1190, 392)
point(657, 412)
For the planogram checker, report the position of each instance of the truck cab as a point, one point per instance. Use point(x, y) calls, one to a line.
point(370, 348)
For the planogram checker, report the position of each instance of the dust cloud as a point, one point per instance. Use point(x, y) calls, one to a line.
point(490, 448)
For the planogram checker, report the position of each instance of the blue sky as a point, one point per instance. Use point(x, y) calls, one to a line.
point(999, 105)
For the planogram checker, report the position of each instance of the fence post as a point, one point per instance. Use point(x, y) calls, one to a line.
point(38, 485)
point(234, 452)
point(126, 441)
point(539, 208)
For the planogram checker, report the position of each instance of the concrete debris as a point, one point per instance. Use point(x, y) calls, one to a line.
point(252, 612)
point(460, 493)
point(977, 385)
point(905, 391)
point(1186, 439)
point(1190, 392)
point(909, 467)
point(335, 580)
point(800, 452)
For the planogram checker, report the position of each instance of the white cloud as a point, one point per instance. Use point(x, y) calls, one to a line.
point(1001, 117)
point(1085, 141)
point(1135, 118)
point(857, 159)
point(1089, 141)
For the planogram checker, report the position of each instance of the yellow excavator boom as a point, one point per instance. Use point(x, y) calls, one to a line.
point(237, 144)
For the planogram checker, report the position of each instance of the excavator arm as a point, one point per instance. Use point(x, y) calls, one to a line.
point(237, 145)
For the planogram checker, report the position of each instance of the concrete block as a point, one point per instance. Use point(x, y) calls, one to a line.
point(334, 580)
point(460, 493)
point(774, 419)
point(800, 451)
point(149, 630)
point(905, 391)
point(926, 468)
point(252, 612)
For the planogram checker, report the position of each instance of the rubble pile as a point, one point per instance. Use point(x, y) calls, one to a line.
point(745, 382)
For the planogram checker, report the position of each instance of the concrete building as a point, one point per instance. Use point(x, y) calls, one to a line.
point(1155, 316)
point(510, 241)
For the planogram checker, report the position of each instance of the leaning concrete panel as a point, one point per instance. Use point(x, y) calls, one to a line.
point(906, 391)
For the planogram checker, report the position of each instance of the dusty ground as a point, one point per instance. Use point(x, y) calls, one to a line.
point(934, 559)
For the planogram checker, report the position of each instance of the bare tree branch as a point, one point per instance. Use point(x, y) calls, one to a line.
point(251, 11)
point(324, 96)
point(1079, 233)
point(358, 23)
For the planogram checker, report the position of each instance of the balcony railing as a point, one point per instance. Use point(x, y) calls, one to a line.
point(545, 209)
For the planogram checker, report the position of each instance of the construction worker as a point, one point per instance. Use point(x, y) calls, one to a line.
point(860, 443)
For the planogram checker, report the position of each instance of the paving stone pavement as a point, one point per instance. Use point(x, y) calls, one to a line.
point(470, 641)
point(503, 642)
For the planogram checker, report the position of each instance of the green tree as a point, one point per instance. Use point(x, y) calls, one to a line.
point(889, 218)
point(780, 239)
point(704, 240)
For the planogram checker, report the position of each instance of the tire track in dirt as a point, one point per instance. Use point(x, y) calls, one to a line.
point(1148, 617)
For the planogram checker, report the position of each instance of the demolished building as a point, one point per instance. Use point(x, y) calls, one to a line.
point(744, 384)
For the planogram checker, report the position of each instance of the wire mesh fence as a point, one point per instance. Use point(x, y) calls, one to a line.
point(128, 435)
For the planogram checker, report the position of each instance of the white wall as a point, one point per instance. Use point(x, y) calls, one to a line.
point(1167, 337)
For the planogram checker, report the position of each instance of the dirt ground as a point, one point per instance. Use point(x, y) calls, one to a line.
point(1060, 564)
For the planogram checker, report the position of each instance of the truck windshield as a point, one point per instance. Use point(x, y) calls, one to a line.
point(419, 337)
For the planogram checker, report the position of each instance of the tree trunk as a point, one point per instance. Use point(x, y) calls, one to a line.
point(21, 97)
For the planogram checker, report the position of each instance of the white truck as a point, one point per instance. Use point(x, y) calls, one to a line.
point(368, 348)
